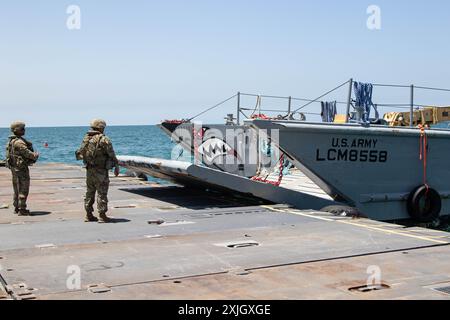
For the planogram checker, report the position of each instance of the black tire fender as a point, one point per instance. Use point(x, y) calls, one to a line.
point(424, 204)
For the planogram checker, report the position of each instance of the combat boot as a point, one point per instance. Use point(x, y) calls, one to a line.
point(104, 218)
point(90, 218)
point(16, 210)
point(24, 212)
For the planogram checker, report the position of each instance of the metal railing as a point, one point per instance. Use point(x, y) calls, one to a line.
point(288, 107)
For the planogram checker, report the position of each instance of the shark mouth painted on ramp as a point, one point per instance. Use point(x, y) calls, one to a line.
point(214, 148)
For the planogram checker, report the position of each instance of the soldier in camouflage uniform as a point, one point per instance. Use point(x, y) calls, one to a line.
point(99, 157)
point(19, 156)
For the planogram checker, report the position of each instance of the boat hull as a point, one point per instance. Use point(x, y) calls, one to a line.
point(372, 168)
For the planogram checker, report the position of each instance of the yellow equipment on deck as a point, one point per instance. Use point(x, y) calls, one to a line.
point(426, 116)
point(340, 118)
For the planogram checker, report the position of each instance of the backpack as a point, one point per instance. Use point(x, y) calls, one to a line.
point(89, 149)
point(9, 162)
point(14, 161)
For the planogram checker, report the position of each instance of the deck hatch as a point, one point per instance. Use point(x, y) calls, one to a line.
point(98, 288)
point(242, 245)
point(369, 288)
point(239, 244)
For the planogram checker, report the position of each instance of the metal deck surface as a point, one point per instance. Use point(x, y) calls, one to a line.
point(206, 245)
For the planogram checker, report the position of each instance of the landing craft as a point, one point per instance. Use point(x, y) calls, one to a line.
point(356, 164)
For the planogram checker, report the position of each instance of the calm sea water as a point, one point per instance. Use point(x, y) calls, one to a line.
point(62, 142)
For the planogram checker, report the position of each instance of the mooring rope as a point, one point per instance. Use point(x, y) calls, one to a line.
point(318, 98)
point(213, 107)
point(423, 152)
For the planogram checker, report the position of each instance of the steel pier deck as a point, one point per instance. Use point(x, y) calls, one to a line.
point(209, 246)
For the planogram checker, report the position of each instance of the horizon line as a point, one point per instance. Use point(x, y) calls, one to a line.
point(87, 126)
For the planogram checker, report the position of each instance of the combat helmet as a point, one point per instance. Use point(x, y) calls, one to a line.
point(98, 124)
point(17, 125)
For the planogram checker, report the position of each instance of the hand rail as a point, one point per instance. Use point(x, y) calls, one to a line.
point(290, 100)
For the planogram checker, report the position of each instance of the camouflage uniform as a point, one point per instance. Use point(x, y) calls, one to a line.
point(20, 155)
point(102, 159)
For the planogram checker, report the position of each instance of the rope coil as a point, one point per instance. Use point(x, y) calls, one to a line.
point(423, 152)
point(363, 101)
point(329, 111)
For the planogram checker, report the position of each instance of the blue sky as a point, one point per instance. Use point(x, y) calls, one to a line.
point(139, 62)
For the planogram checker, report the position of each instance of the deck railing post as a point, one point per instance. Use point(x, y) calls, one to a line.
point(289, 105)
point(349, 100)
point(259, 104)
point(411, 115)
point(238, 115)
